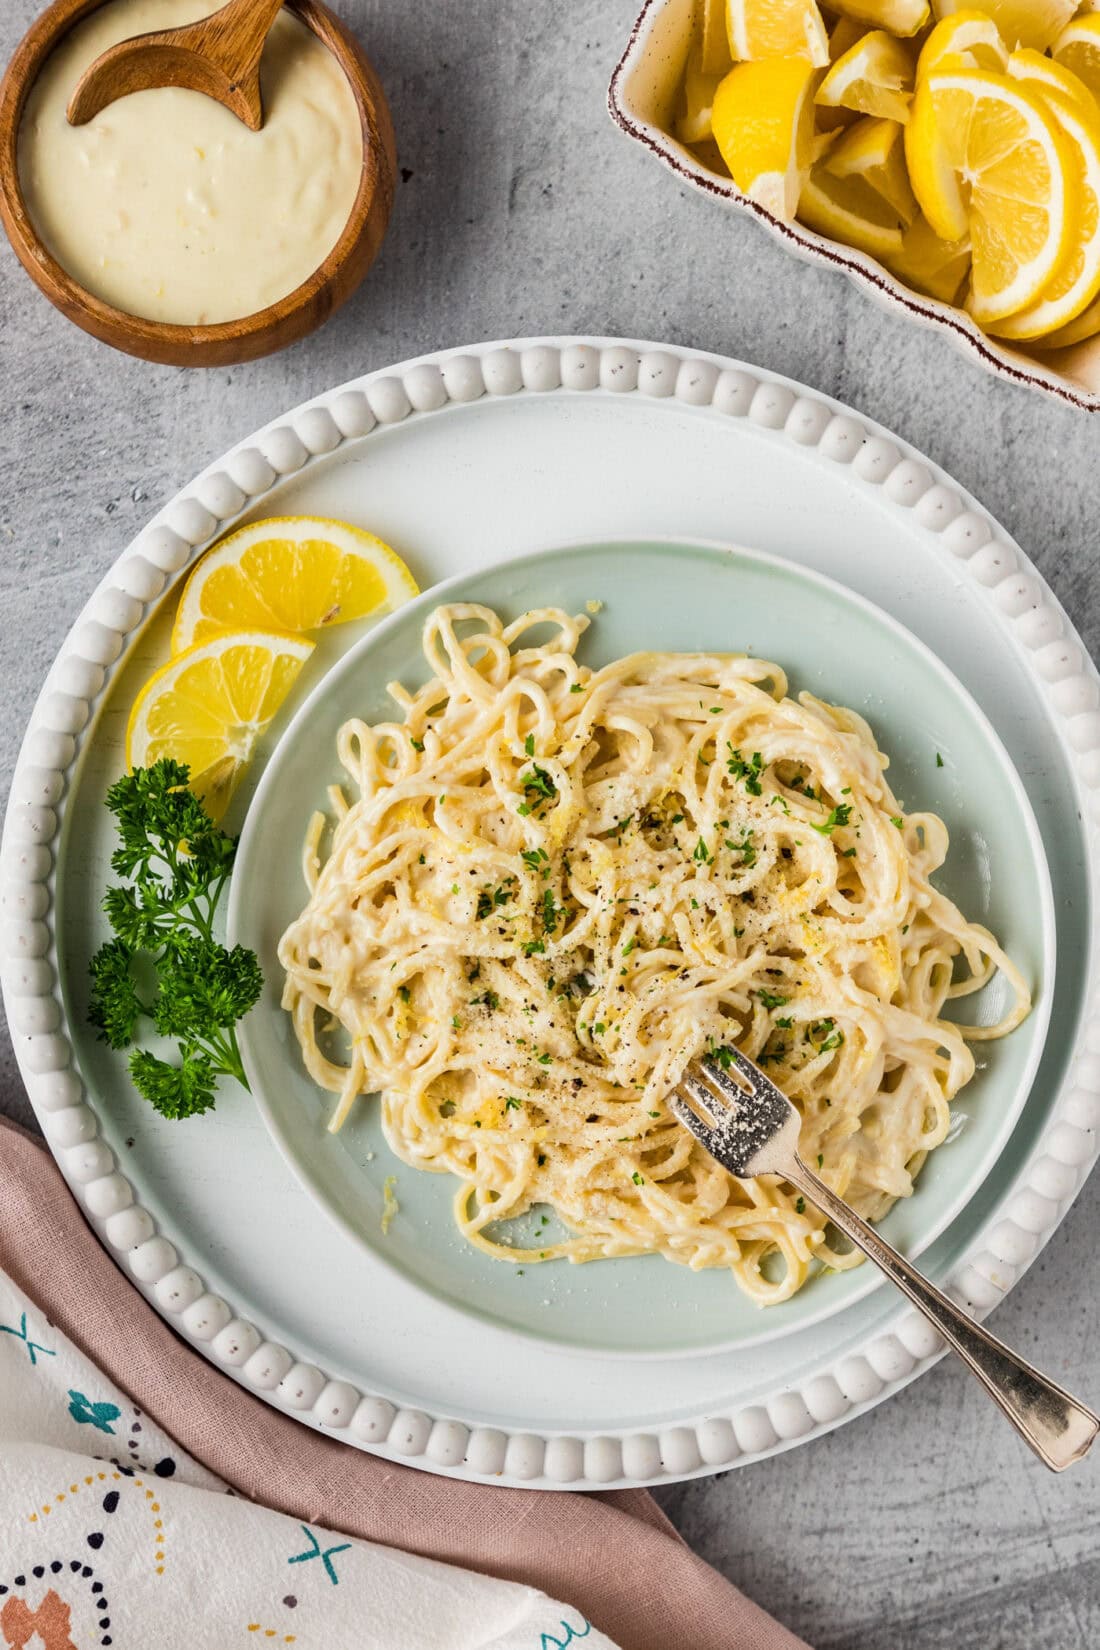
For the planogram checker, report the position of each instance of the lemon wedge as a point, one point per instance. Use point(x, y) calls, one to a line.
point(930, 265)
point(1077, 48)
point(897, 16)
point(714, 42)
point(694, 124)
point(874, 150)
point(874, 77)
point(987, 159)
point(763, 125)
point(845, 33)
point(967, 34)
point(1077, 281)
point(777, 28)
point(1020, 22)
point(208, 707)
point(849, 210)
point(290, 573)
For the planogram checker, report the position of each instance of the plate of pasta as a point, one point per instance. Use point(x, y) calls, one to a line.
point(552, 830)
point(421, 1286)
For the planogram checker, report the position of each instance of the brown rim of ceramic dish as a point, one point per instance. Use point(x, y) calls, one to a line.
point(626, 121)
point(281, 323)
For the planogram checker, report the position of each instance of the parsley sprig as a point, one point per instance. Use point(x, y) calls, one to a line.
point(164, 964)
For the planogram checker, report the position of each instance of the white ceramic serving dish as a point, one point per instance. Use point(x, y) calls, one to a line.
point(462, 459)
point(642, 99)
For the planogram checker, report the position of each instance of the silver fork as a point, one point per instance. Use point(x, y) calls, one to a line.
point(751, 1128)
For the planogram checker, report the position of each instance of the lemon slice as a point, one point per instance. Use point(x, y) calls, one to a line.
point(930, 265)
point(763, 119)
point(897, 16)
point(875, 77)
point(874, 150)
point(777, 28)
point(1077, 48)
point(694, 124)
point(1077, 281)
point(714, 41)
point(1042, 74)
point(1020, 22)
point(208, 706)
point(968, 34)
point(988, 160)
point(290, 573)
point(1087, 325)
point(849, 210)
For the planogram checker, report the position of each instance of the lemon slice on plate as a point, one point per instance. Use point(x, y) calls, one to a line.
point(290, 573)
point(930, 265)
point(874, 77)
point(777, 28)
point(968, 34)
point(988, 160)
point(694, 124)
point(763, 120)
point(1078, 48)
point(849, 210)
point(1077, 282)
point(208, 707)
point(874, 150)
point(1021, 22)
point(714, 41)
point(898, 16)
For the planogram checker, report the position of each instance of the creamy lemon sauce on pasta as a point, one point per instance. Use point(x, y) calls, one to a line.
point(549, 888)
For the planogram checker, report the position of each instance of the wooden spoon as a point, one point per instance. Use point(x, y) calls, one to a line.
point(218, 56)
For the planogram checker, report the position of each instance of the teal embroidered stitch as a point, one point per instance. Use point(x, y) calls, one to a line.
point(547, 1641)
point(21, 1335)
point(99, 1416)
point(316, 1552)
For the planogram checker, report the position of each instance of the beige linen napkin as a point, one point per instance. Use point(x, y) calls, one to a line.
point(612, 1556)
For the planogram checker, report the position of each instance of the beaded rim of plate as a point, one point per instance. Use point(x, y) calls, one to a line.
point(643, 56)
point(95, 650)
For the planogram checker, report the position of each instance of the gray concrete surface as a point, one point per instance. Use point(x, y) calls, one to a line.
point(923, 1524)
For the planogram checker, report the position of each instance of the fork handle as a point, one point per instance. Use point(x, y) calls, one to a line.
point(1056, 1426)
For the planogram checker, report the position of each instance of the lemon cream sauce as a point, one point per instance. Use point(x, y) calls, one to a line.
point(166, 205)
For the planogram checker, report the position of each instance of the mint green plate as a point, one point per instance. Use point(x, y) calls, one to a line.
point(672, 596)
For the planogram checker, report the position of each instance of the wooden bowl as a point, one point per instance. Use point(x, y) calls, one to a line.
point(281, 323)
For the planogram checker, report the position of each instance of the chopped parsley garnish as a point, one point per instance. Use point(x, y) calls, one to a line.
point(404, 993)
point(490, 899)
point(539, 782)
point(533, 947)
point(896, 819)
point(550, 911)
point(786, 1022)
point(771, 999)
point(719, 1054)
point(847, 853)
point(544, 1059)
point(840, 815)
point(749, 772)
point(701, 854)
point(800, 1206)
point(939, 760)
point(488, 999)
point(638, 1179)
point(744, 848)
point(417, 744)
point(630, 944)
point(529, 744)
point(576, 687)
point(512, 1104)
point(824, 1036)
point(598, 1029)
point(456, 1023)
point(176, 862)
point(820, 1159)
point(535, 859)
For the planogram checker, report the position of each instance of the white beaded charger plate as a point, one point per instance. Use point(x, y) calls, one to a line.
point(460, 460)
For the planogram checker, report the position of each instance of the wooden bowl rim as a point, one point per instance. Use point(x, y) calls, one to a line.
point(175, 338)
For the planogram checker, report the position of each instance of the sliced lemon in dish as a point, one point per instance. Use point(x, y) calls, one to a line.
point(1078, 49)
point(714, 44)
point(897, 16)
point(1087, 325)
point(988, 160)
point(694, 124)
point(875, 77)
point(1042, 74)
point(208, 707)
point(849, 210)
point(1020, 22)
point(874, 150)
point(290, 574)
point(970, 35)
point(930, 265)
point(777, 28)
point(763, 120)
point(1077, 281)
